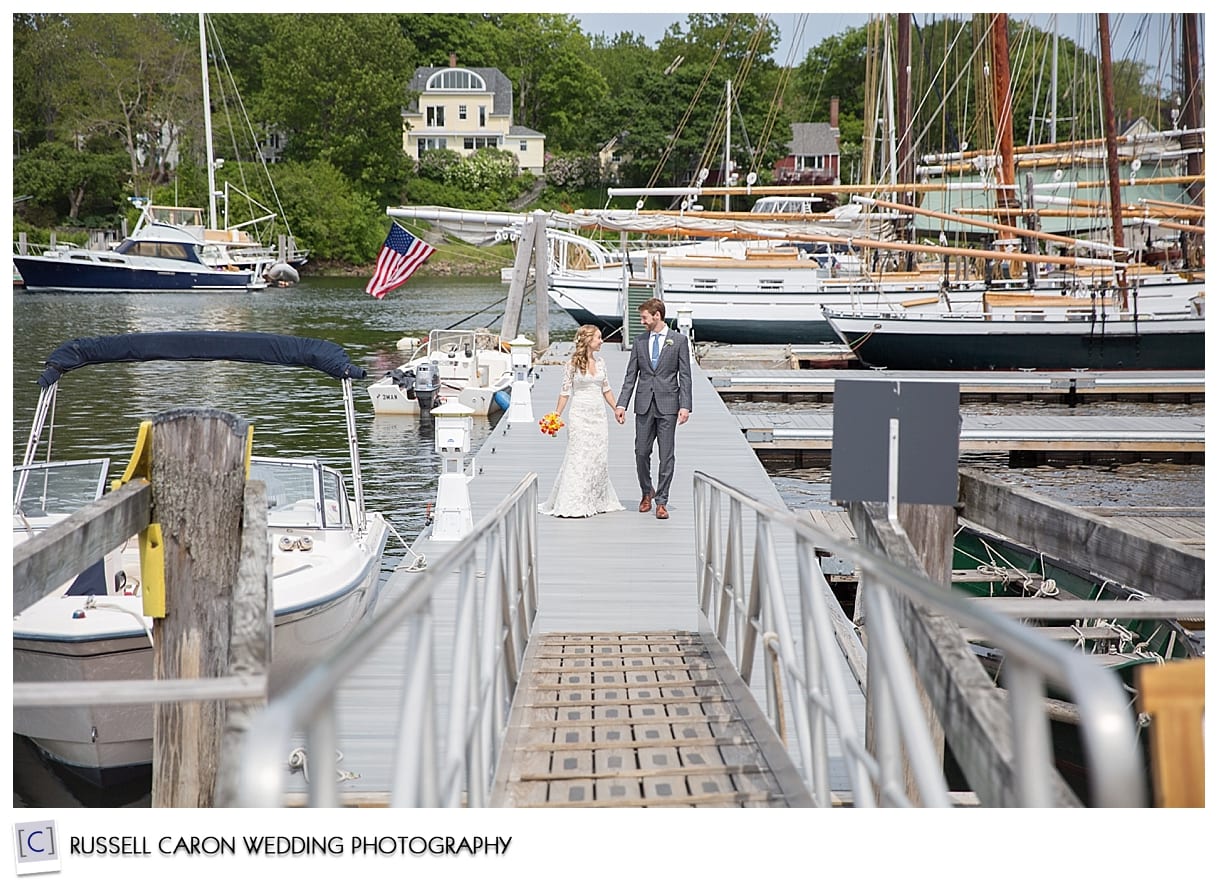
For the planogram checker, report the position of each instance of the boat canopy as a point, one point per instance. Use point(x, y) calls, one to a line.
point(248, 346)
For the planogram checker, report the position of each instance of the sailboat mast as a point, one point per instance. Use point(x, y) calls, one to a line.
point(905, 164)
point(1053, 89)
point(727, 149)
point(1110, 134)
point(1191, 117)
point(1000, 65)
point(211, 160)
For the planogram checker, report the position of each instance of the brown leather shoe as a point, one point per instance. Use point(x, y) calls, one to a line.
point(661, 512)
point(645, 503)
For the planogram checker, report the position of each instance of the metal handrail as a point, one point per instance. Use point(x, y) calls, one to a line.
point(492, 625)
point(812, 677)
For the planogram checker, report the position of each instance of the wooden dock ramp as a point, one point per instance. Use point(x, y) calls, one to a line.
point(639, 720)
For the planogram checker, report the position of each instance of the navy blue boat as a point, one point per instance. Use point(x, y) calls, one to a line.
point(159, 257)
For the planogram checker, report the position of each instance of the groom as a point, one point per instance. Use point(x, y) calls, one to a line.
point(658, 371)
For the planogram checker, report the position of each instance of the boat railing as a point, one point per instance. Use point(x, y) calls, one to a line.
point(495, 607)
point(809, 657)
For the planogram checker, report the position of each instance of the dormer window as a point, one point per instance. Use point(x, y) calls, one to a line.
point(455, 79)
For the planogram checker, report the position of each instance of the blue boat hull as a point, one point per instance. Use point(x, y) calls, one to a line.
point(39, 273)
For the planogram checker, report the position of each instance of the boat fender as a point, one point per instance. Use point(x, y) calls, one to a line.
point(503, 399)
point(283, 272)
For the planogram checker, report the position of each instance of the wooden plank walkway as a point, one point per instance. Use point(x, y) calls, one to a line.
point(638, 720)
point(617, 573)
point(1000, 434)
point(974, 385)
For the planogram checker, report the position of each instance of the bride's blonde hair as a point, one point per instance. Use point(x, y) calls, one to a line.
point(583, 339)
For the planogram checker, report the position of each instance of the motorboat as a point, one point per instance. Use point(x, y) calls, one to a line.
point(471, 366)
point(326, 551)
point(156, 257)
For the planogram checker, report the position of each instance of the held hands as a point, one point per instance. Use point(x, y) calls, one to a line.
point(619, 414)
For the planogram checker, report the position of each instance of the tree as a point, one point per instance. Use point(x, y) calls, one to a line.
point(556, 89)
point(123, 76)
point(338, 83)
point(69, 180)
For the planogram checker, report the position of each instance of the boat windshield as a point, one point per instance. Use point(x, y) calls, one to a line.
point(163, 250)
point(57, 489)
point(302, 493)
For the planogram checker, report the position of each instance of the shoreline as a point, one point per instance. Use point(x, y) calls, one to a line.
point(433, 267)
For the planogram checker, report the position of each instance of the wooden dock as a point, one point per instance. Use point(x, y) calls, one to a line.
point(1066, 387)
point(639, 720)
point(1003, 434)
point(621, 574)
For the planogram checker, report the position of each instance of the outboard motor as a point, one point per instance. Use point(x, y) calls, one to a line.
point(404, 380)
point(426, 384)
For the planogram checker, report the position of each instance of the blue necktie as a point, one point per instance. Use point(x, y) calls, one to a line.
point(655, 349)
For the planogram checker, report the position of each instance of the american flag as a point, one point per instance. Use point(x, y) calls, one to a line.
point(400, 256)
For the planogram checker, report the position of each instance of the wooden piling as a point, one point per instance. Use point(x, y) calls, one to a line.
point(541, 281)
point(251, 620)
point(973, 714)
point(198, 481)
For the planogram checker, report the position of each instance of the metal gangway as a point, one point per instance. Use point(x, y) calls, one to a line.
point(491, 734)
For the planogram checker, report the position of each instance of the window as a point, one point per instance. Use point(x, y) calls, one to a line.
point(474, 143)
point(524, 146)
point(426, 144)
point(461, 114)
point(482, 115)
point(456, 79)
point(435, 115)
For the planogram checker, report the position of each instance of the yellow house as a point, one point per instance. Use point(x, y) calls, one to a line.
point(466, 108)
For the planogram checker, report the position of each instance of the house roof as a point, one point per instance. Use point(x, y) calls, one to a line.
point(495, 81)
point(812, 139)
point(525, 131)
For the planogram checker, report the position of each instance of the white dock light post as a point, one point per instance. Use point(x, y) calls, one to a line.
point(521, 409)
point(453, 516)
point(685, 322)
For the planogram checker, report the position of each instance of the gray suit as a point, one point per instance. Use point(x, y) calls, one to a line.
point(659, 393)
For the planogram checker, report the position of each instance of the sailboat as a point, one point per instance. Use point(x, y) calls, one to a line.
point(1127, 316)
point(233, 245)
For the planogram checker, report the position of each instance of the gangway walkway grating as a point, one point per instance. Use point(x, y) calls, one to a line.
point(639, 720)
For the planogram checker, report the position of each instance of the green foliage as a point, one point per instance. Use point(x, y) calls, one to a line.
point(333, 77)
point(128, 88)
point(573, 171)
point(421, 191)
point(68, 182)
point(329, 215)
point(437, 165)
point(485, 169)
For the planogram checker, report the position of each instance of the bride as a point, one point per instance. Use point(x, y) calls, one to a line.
point(582, 487)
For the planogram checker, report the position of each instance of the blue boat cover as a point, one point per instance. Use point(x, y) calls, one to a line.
point(250, 346)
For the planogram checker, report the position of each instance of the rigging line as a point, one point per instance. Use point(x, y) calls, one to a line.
point(719, 128)
point(776, 100)
point(222, 59)
point(690, 107)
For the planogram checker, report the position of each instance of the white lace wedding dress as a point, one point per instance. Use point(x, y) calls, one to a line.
point(582, 487)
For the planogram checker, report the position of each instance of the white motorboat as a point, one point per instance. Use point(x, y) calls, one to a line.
point(472, 367)
point(326, 554)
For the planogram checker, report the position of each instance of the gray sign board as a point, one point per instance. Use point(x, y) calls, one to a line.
point(928, 447)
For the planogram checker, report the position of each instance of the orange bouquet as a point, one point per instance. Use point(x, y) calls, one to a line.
point(550, 424)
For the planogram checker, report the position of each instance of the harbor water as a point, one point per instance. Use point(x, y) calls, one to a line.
point(297, 412)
